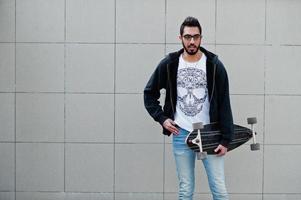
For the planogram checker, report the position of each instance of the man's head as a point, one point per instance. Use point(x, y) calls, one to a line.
point(191, 35)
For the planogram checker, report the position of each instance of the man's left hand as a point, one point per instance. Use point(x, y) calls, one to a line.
point(221, 150)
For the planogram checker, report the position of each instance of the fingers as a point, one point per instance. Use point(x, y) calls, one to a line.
point(220, 150)
point(173, 129)
point(171, 126)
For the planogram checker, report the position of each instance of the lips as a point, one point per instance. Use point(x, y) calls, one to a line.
point(191, 46)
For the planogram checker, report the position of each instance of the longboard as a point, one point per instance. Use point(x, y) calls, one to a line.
point(205, 139)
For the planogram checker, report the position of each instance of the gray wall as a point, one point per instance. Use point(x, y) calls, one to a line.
point(72, 73)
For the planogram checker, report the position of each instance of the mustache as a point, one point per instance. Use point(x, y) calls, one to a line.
point(192, 45)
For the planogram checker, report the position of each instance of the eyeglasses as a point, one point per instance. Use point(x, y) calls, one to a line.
point(189, 37)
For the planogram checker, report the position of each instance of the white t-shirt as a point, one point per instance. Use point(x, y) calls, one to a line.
point(192, 94)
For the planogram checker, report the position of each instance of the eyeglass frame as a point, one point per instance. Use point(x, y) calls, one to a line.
point(195, 37)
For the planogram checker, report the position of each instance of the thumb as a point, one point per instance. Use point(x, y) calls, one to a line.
point(217, 149)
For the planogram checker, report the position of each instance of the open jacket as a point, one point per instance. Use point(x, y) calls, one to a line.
point(165, 77)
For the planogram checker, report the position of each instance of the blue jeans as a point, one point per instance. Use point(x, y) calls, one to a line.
point(185, 164)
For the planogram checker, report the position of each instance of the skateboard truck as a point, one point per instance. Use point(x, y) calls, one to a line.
point(198, 140)
point(255, 146)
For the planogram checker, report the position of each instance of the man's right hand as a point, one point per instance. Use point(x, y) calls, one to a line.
point(171, 126)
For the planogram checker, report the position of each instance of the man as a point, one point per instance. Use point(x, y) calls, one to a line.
point(197, 90)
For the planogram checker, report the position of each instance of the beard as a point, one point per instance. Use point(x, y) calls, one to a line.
point(191, 49)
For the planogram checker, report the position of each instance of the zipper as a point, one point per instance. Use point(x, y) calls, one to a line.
point(213, 85)
point(170, 89)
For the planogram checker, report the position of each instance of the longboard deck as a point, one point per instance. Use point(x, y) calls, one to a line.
point(211, 136)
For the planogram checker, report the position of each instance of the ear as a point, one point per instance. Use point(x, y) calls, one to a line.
point(180, 37)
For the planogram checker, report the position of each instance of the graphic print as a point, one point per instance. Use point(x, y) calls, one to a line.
point(192, 90)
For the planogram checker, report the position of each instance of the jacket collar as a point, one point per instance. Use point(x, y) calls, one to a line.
point(211, 57)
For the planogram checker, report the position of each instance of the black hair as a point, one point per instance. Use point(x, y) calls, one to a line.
point(190, 22)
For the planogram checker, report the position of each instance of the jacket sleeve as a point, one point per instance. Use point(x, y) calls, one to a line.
point(152, 89)
point(224, 106)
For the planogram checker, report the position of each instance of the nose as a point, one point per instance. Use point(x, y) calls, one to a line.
point(192, 40)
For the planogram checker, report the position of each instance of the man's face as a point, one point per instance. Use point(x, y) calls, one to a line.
point(191, 39)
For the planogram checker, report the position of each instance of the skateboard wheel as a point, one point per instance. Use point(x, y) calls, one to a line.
point(255, 147)
point(197, 126)
point(201, 155)
point(252, 120)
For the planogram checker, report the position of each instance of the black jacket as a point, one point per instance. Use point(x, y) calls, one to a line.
point(165, 77)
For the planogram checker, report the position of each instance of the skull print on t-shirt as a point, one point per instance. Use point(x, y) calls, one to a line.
point(192, 94)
